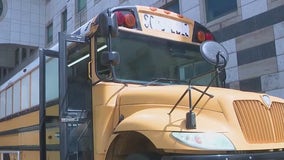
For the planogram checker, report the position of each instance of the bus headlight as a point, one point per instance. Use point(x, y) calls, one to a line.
point(208, 141)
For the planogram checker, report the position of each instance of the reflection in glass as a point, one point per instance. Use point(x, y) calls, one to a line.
point(144, 59)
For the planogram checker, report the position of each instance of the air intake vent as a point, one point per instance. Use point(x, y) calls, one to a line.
point(260, 124)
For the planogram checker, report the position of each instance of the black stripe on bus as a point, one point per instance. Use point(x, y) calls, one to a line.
point(27, 129)
point(51, 147)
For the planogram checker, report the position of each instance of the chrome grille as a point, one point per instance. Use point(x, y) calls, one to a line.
point(258, 123)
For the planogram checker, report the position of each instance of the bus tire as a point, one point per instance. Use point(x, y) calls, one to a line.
point(140, 156)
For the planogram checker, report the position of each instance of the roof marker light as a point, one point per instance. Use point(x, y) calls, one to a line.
point(180, 16)
point(167, 12)
point(129, 20)
point(153, 9)
point(201, 36)
point(120, 18)
point(209, 36)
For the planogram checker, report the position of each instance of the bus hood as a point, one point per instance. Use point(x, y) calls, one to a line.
point(156, 102)
point(244, 117)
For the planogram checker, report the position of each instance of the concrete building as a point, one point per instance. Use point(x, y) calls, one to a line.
point(251, 30)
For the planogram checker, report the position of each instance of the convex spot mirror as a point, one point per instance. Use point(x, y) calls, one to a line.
point(214, 53)
point(110, 58)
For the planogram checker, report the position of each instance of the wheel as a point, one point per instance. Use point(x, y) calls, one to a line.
point(140, 156)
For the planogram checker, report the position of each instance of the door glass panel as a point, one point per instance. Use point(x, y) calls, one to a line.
point(16, 97)
point(9, 102)
point(25, 92)
point(35, 87)
point(52, 131)
point(79, 103)
point(52, 85)
point(2, 104)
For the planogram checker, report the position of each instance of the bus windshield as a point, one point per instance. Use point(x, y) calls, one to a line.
point(153, 60)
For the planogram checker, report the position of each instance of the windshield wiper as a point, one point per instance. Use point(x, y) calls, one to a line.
point(188, 90)
point(162, 79)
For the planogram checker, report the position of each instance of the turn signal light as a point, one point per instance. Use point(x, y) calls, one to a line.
point(129, 20)
point(126, 19)
point(202, 36)
point(120, 18)
point(209, 36)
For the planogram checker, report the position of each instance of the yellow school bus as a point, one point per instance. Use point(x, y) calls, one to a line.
point(136, 82)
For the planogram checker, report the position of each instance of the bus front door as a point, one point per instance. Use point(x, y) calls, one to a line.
point(75, 111)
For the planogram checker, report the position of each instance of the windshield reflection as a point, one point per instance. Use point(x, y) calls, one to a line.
point(151, 60)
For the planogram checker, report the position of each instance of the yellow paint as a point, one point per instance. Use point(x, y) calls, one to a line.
point(26, 120)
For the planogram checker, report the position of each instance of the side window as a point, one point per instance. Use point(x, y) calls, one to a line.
point(6, 156)
point(218, 8)
point(52, 84)
point(101, 70)
point(79, 90)
point(10, 155)
point(2, 104)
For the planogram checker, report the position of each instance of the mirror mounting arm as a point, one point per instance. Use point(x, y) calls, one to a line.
point(220, 69)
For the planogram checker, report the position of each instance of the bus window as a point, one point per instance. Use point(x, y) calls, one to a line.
point(6, 156)
point(144, 59)
point(79, 102)
point(102, 70)
point(78, 82)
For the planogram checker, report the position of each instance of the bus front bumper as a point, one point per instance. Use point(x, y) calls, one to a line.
point(248, 156)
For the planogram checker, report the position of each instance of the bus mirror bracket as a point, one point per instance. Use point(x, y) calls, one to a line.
point(110, 58)
point(108, 24)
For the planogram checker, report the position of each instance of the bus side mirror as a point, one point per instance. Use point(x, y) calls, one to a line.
point(108, 24)
point(110, 58)
point(214, 53)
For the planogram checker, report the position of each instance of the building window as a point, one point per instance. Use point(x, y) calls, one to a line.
point(3, 9)
point(17, 55)
point(172, 6)
point(219, 8)
point(96, 1)
point(81, 13)
point(121, 1)
point(49, 33)
point(81, 4)
point(64, 21)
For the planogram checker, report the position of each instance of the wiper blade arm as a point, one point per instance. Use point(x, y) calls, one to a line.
point(189, 91)
point(184, 93)
point(170, 80)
